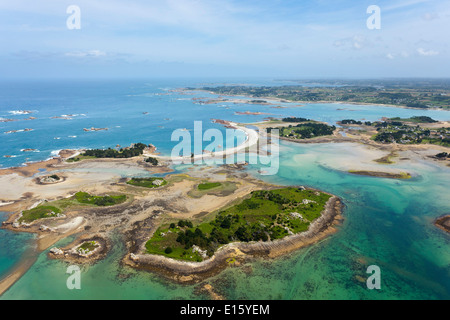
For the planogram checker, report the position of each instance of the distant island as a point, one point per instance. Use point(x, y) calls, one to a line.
point(418, 94)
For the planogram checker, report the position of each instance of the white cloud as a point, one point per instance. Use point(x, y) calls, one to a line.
point(404, 54)
point(356, 42)
point(390, 56)
point(426, 53)
point(91, 53)
point(404, 4)
point(430, 16)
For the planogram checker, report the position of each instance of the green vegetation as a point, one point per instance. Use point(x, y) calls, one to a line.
point(419, 119)
point(387, 159)
point(418, 93)
point(185, 223)
point(219, 189)
point(209, 186)
point(56, 208)
point(100, 201)
point(305, 130)
point(396, 130)
point(389, 175)
point(265, 216)
point(147, 182)
point(351, 121)
point(152, 161)
point(80, 158)
point(40, 212)
point(135, 150)
point(443, 155)
point(87, 247)
point(294, 119)
point(390, 132)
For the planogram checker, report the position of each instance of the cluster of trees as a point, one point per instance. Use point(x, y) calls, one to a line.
point(248, 204)
point(417, 105)
point(351, 121)
point(255, 232)
point(233, 227)
point(136, 150)
point(222, 234)
point(399, 135)
point(183, 223)
point(312, 130)
point(152, 161)
point(190, 238)
point(308, 130)
point(395, 131)
point(274, 197)
point(442, 155)
point(293, 119)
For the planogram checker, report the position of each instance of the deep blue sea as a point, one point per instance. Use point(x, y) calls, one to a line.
point(387, 222)
point(135, 111)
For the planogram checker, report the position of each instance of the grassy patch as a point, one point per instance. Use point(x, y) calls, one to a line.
point(208, 186)
point(40, 212)
point(214, 188)
point(101, 201)
point(265, 216)
point(420, 119)
point(147, 182)
point(389, 175)
point(387, 159)
point(166, 238)
point(52, 209)
point(79, 158)
point(87, 247)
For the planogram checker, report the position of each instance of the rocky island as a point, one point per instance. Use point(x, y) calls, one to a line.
point(443, 223)
point(186, 227)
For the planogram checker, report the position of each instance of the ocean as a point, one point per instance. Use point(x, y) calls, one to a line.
point(388, 223)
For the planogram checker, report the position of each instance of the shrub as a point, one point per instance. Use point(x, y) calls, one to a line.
point(168, 250)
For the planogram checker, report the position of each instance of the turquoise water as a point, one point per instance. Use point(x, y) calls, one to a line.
point(12, 247)
point(387, 223)
point(120, 107)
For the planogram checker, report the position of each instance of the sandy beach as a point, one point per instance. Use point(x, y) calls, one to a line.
point(251, 139)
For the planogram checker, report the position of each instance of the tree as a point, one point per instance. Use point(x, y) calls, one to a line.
point(168, 250)
point(152, 161)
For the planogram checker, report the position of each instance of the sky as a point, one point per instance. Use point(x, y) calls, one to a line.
point(224, 38)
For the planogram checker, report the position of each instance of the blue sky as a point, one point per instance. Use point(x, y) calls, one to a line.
point(212, 38)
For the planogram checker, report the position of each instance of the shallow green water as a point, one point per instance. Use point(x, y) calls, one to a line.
point(387, 223)
point(12, 246)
